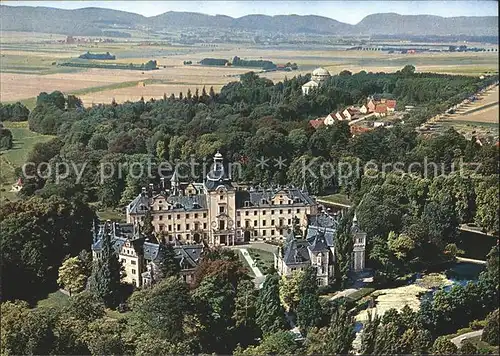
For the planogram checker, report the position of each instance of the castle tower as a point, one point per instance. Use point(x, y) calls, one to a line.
point(359, 238)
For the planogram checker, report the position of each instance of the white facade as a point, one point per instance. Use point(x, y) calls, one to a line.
point(309, 86)
point(329, 120)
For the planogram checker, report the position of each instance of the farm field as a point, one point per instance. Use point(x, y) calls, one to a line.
point(28, 66)
point(483, 110)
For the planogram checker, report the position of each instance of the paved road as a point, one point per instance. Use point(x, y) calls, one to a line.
point(463, 259)
point(457, 340)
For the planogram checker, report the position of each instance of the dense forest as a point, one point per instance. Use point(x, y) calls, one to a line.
point(411, 220)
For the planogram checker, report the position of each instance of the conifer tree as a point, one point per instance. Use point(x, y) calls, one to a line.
point(270, 313)
point(335, 339)
point(211, 93)
point(309, 309)
point(168, 265)
point(147, 227)
point(343, 251)
point(369, 334)
point(106, 272)
point(189, 95)
point(204, 96)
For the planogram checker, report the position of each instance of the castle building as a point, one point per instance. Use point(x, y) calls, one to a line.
point(218, 213)
point(319, 75)
point(139, 257)
point(317, 249)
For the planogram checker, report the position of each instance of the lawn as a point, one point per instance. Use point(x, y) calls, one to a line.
point(483, 347)
point(24, 140)
point(53, 300)
point(336, 199)
point(263, 259)
point(111, 214)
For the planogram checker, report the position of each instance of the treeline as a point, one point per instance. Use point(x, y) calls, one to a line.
point(150, 65)
point(14, 112)
point(259, 63)
point(100, 56)
point(213, 62)
point(238, 62)
point(6, 139)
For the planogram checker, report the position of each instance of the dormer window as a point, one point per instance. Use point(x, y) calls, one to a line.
point(247, 204)
point(263, 201)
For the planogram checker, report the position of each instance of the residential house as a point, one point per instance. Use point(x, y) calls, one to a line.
point(317, 123)
point(391, 105)
point(381, 110)
point(371, 105)
point(330, 119)
point(351, 113)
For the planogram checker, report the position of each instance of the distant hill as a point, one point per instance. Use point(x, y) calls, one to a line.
point(394, 24)
point(93, 21)
point(84, 22)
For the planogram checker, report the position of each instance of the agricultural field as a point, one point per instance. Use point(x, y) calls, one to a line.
point(483, 110)
point(479, 118)
point(29, 65)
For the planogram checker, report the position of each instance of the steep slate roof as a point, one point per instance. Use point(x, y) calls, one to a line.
point(136, 205)
point(295, 251)
point(263, 197)
point(194, 202)
point(318, 243)
point(121, 233)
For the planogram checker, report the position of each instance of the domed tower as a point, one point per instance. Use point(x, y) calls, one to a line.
point(221, 204)
point(319, 75)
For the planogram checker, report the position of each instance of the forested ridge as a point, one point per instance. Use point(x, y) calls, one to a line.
point(411, 220)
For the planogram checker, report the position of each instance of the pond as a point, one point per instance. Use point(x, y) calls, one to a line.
point(475, 246)
point(463, 272)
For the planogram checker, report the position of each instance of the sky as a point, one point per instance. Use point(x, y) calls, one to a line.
point(346, 11)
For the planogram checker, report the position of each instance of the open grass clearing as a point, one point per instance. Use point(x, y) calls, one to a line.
point(56, 299)
point(24, 141)
point(264, 260)
point(336, 199)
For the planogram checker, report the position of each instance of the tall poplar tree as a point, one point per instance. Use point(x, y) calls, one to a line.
point(168, 265)
point(343, 251)
point(309, 309)
point(270, 312)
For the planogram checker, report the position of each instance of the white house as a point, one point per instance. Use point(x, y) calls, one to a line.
point(330, 119)
point(350, 113)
